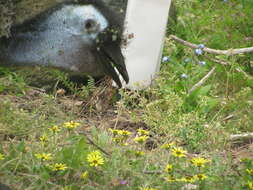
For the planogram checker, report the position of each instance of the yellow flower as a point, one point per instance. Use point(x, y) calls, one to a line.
point(139, 153)
point(59, 167)
point(2, 157)
point(54, 129)
point(178, 152)
point(84, 175)
point(170, 179)
point(141, 139)
point(168, 168)
point(114, 131)
point(44, 138)
point(95, 158)
point(249, 185)
point(142, 132)
point(44, 156)
point(118, 140)
point(146, 188)
point(245, 160)
point(199, 162)
point(124, 133)
point(188, 179)
point(200, 177)
point(167, 146)
point(71, 125)
point(249, 171)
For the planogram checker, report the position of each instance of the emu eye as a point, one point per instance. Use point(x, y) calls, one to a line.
point(91, 26)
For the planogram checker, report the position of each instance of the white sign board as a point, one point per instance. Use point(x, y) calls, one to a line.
point(146, 21)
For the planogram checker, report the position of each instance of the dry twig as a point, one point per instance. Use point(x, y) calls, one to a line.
point(228, 117)
point(242, 136)
point(203, 80)
point(228, 52)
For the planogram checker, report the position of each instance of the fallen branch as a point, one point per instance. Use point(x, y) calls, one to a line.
point(228, 52)
point(243, 136)
point(203, 80)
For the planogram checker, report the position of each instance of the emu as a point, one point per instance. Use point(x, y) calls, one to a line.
point(82, 37)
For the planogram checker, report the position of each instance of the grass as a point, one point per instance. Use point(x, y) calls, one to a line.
point(198, 123)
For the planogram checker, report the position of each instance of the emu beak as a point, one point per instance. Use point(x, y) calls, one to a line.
point(111, 57)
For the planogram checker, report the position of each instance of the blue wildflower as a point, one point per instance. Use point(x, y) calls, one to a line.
point(202, 63)
point(201, 46)
point(198, 51)
point(165, 59)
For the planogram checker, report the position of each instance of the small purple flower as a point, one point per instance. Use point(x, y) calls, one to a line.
point(123, 182)
point(202, 63)
point(165, 59)
point(201, 46)
point(198, 51)
point(184, 76)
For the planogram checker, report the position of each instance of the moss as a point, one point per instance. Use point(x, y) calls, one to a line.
point(26, 9)
point(6, 18)
point(17, 11)
point(14, 12)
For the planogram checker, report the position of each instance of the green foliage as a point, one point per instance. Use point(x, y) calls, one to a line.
point(11, 82)
point(73, 155)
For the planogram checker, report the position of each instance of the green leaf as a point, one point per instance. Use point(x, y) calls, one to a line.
point(21, 147)
point(191, 101)
point(74, 155)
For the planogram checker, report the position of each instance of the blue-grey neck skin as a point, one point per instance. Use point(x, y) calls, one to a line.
point(61, 40)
